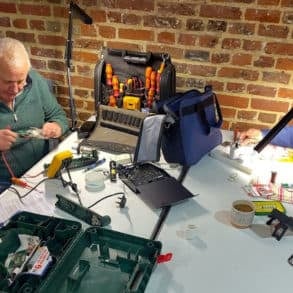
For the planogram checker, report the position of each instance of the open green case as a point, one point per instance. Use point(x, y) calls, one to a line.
point(94, 260)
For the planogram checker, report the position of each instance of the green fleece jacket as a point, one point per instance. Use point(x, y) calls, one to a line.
point(33, 107)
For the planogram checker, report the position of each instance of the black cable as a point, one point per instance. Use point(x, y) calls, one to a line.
point(26, 194)
point(107, 196)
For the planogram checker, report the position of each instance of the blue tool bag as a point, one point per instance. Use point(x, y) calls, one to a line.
point(192, 128)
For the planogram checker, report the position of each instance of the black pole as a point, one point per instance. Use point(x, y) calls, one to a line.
point(274, 131)
point(68, 55)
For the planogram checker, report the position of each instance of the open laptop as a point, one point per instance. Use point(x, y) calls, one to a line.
point(116, 130)
point(151, 183)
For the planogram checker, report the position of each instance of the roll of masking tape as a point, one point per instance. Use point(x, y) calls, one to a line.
point(94, 181)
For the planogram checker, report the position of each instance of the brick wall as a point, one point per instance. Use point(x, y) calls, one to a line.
point(243, 48)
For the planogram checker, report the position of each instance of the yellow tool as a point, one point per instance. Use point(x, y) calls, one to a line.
point(57, 162)
point(131, 103)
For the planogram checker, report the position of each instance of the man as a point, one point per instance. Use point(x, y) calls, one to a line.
point(25, 102)
point(284, 138)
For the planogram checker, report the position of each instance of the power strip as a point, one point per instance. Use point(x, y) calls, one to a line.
point(81, 213)
point(237, 164)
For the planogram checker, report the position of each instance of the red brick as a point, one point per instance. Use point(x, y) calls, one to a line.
point(244, 74)
point(264, 61)
point(216, 84)
point(114, 17)
point(7, 8)
point(279, 77)
point(88, 43)
point(41, 10)
point(262, 15)
point(88, 30)
point(267, 118)
point(60, 11)
point(98, 15)
point(174, 52)
point(241, 59)
point(217, 11)
point(200, 70)
point(85, 56)
point(20, 23)
point(241, 28)
point(57, 77)
point(82, 93)
point(5, 21)
point(233, 101)
point(234, 87)
point(286, 3)
point(195, 25)
point(136, 34)
point(268, 2)
point(56, 65)
point(228, 112)
point(107, 31)
point(131, 19)
point(46, 52)
point(38, 64)
point(52, 40)
point(208, 41)
point(246, 125)
point(125, 45)
point(84, 82)
point(279, 48)
point(166, 37)
point(273, 31)
point(260, 90)
point(285, 93)
point(220, 58)
point(37, 24)
point(143, 5)
point(252, 45)
point(284, 64)
point(269, 105)
point(85, 70)
point(22, 36)
point(177, 8)
point(247, 115)
point(231, 44)
point(162, 22)
point(187, 39)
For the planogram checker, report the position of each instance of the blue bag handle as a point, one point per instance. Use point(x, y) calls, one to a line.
point(199, 107)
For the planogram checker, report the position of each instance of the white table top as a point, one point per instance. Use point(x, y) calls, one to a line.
point(219, 258)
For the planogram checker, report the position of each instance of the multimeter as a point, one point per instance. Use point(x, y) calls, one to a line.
point(113, 171)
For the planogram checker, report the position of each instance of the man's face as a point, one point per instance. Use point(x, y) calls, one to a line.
point(12, 82)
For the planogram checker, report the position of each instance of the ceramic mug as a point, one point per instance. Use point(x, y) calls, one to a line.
point(242, 213)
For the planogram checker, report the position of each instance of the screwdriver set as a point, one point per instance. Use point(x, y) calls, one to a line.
point(133, 80)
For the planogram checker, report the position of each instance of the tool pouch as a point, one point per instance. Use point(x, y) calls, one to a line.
point(129, 69)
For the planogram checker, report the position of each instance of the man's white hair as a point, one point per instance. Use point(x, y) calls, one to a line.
point(13, 52)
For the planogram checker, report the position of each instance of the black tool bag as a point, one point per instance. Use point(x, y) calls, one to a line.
point(133, 80)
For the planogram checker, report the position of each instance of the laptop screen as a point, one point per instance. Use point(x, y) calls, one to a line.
point(149, 139)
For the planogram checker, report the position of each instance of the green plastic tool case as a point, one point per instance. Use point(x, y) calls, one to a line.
point(94, 260)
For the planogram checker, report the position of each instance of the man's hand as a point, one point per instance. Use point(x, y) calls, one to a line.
point(51, 130)
point(250, 136)
point(7, 138)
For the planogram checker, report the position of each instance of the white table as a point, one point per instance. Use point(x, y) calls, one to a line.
point(219, 258)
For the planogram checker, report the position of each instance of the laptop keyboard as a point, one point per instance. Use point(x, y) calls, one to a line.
point(116, 131)
point(135, 175)
point(111, 147)
point(121, 119)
